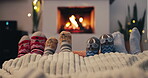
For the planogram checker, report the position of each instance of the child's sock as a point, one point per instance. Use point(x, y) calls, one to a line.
point(119, 43)
point(93, 46)
point(135, 41)
point(38, 40)
point(24, 46)
point(50, 46)
point(65, 41)
point(107, 43)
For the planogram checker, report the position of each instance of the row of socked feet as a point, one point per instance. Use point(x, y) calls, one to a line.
point(39, 44)
point(114, 42)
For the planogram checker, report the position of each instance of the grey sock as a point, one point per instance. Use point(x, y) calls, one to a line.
point(65, 47)
point(119, 43)
point(135, 41)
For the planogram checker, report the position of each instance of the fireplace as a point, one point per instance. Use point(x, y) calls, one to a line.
point(54, 21)
point(77, 19)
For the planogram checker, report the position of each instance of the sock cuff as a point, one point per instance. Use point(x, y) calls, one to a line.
point(37, 51)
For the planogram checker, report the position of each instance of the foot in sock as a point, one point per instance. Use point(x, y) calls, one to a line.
point(107, 43)
point(65, 41)
point(50, 46)
point(24, 46)
point(135, 41)
point(38, 40)
point(93, 46)
point(119, 43)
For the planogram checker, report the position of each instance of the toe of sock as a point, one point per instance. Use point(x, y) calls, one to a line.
point(38, 33)
point(25, 37)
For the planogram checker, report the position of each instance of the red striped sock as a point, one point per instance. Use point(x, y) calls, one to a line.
point(38, 44)
point(24, 46)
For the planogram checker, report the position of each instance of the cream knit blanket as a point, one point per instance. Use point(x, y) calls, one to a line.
point(70, 65)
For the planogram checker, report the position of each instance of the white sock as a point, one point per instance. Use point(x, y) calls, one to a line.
point(135, 41)
point(119, 43)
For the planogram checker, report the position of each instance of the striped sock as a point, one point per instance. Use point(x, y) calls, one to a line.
point(50, 46)
point(65, 41)
point(24, 46)
point(38, 40)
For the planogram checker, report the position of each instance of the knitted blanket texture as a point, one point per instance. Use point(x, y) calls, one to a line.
point(70, 65)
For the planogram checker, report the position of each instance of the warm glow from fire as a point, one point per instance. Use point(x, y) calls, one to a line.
point(67, 24)
point(73, 21)
point(81, 19)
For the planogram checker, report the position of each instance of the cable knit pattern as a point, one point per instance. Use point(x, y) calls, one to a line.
point(70, 65)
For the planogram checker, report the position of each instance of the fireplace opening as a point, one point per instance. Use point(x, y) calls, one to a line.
point(76, 19)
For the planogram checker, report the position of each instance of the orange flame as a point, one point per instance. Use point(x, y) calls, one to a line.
point(73, 23)
point(80, 19)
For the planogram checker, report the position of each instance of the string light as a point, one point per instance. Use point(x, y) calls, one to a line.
point(145, 41)
point(143, 31)
point(130, 31)
point(128, 23)
point(35, 7)
point(34, 2)
point(29, 15)
point(134, 21)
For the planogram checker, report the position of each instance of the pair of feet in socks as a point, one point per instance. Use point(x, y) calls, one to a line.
point(113, 42)
point(39, 44)
point(65, 43)
point(35, 44)
point(103, 45)
point(134, 42)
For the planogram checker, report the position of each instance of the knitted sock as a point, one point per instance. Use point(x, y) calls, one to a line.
point(107, 43)
point(119, 43)
point(24, 46)
point(50, 46)
point(38, 40)
point(135, 41)
point(65, 41)
point(93, 46)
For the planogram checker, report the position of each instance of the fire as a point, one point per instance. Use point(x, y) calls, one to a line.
point(67, 24)
point(73, 21)
point(73, 24)
point(81, 19)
